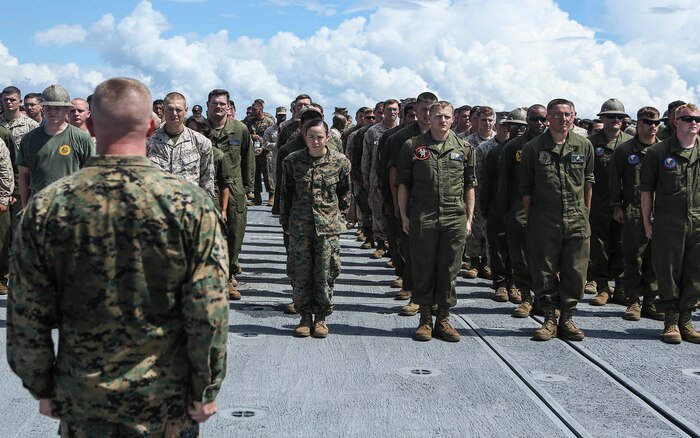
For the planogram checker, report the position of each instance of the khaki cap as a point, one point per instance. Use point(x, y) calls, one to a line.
point(612, 106)
point(55, 95)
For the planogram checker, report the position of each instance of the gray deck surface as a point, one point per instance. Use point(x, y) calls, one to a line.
point(368, 377)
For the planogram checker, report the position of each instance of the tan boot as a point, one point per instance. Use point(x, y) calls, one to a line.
point(290, 309)
point(443, 328)
point(514, 295)
point(473, 269)
point(591, 287)
point(649, 310)
point(360, 235)
point(369, 243)
point(525, 307)
point(484, 272)
point(304, 328)
point(618, 295)
point(233, 293)
point(409, 309)
point(403, 295)
point(633, 312)
point(549, 327)
point(398, 282)
point(685, 326)
point(567, 328)
point(501, 295)
point(601, 299)
point(672, 334)
point(271, 201)
point(378, 253)
point(424, 332)
point(3, 288)
point(320, 327)
point(232, 281)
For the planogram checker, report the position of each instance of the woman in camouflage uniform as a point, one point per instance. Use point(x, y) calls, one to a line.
point(313, 204)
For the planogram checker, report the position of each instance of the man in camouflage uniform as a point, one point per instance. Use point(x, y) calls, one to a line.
point(7, 185)
point(233, 139)
point(436, 181)
point(270, 144)
point(138, 299)
point(314, 201)
point(32, 106)
point(353, 151)
point(463, 124)
point(511, 200)
point(257, 123)
point(370, 177)
point(12, 118)
point(488, 176)
point(178, 149)
point(606, 233)
point(639, 278)
point(475, 250)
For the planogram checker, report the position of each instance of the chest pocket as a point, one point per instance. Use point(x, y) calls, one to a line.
point(189, 162)
point(574, 165)
point(423, 170)
point(232, 147)
point(671, 175)
point(330, 183)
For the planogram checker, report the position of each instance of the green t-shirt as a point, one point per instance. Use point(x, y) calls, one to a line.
point(50, 158)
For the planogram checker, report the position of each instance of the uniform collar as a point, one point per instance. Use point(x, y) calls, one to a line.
point(118, 160)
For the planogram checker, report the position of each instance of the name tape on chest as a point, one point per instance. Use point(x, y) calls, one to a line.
point(578, 158)
point(234, 142)
point(455, 156)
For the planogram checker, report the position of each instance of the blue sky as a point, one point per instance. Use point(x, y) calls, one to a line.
point(354, 52)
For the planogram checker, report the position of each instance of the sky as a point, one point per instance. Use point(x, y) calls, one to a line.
point(353, 53)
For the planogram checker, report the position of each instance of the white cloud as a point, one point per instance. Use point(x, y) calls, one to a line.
point(504, 54)
point(60, 35)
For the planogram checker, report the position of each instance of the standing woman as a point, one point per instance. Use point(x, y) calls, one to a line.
point(313, 204)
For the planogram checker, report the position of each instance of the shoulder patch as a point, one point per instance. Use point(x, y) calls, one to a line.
point(518, 155)
point(670, 163)
point(422, 153)
point(599, 151)
point(633, 159)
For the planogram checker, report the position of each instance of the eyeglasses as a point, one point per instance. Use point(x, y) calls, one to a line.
point(615, 116)
point(651, 122)
point(689, 119)
point(537, 119)
point(562, 115)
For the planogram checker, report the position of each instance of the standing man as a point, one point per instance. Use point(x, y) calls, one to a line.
point(606, 233)
point(463, 126)
point(178, 149)
point(257, 124)
point(370, 177)
point(142, 338)
point(475, 250)
point(669, 130)
point(639, 278)
point(670, 186)
point(270, 144)
point(556, 183)
point(52, 151)
point(158, 108)
point(7, 186)
point(32, 106)
point(79, 113)
point(511, 200)
point(353, 151)
point(436, 181)
point(233, 139)
point(12, 118)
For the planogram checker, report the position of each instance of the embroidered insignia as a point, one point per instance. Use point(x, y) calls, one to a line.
point(422, 153)
point(670, 163)
point(518, 155)
point(578, 159)
point(64, 150)
point(456, 157)
point(633, 159)
point(599, 152)
point(545, 158)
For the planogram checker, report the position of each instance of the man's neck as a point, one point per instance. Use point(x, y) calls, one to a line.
point(423, 129)
point(218, 123)
point(686, 139)
point(559, 138)
point(439, 136)
point(501, 138)
point(174, 130)
point(39, 119)
point(611, 133)
point(484, 136)
point(11, 115)
point(389, 124)
point(648, 139)
point(52, 130)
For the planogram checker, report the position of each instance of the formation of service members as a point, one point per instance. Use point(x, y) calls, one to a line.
point(529, 164)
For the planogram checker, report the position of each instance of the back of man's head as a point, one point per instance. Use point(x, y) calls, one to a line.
point(120, 113)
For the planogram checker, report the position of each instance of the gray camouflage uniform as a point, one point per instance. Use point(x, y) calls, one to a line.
point(476, 245)
point(369, 164)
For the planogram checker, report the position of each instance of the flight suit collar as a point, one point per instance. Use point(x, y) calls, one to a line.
point(691, 155)
point(560, 150)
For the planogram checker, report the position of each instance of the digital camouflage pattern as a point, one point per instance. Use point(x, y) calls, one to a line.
point(190, 158)
point(314, 201)
point(476, 244)
point(370, 163)
point(7, 175)
point(19, 127)
point(130, 264)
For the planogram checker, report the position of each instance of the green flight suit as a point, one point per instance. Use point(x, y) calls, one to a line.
point(234, 141)
point(606, 233)
point(394, 223)
point(673, 175)
point(639, 278)
point(558, 231)
point(437, 174)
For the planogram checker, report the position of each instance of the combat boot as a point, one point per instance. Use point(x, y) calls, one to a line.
point(424, 332)
point(360, 235)
point(403, 295)
point(549, 327)
point(618, 296)
point(389, 263)
point(409, 309)
point(305, 325)
point(688, 332)
point(379, 252)
point(3, 289)
point(649, 310)
point(398, 282)
point(232, 281)
point(633, 312)
point(290, 309)
point(514, 295)
point(443, 328)
point(525, 307)
point(672, 334)
point(591, 287)
point(271, 200)
point(501, 294)
point(567, 328)
point(538, 309)
point(472, 270)
point(320, 326)
point(484, 272)
point(233, 293)
point(369, 243)
point(603, 294)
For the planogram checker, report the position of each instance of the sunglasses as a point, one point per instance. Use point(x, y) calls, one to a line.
point(689, 119)
point(537, 119)
point(651, 122)
point(615, 116)
point(369, 117)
